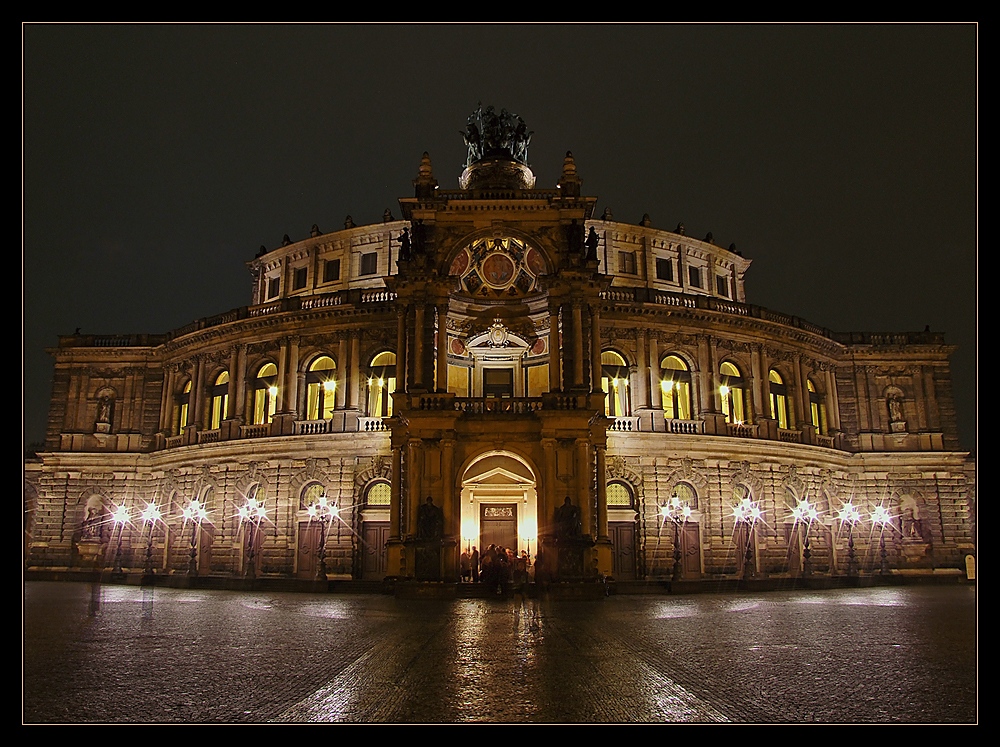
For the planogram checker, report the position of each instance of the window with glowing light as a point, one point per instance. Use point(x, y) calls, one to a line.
point(817, 408)
point(614, 383)
point(686, 495)
point(675, 384)
point(220, 399)
point(310, 495)
point(619, 495)
point(265, 394)
point(321, 385)
point(181, 403)
point(778, 394)
point(732, 393)
point(378, 494)
point(381, 384)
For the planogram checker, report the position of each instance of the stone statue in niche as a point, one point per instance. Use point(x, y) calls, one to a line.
point(567, 520)
point(430, 521)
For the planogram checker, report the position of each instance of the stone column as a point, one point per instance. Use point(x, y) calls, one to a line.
point(167, 399)
point(401, 357)
point(555, 375)
point(655, 392)
point(583, 485)
point(234, 363)
point(832, 401)
point(709, 400)
point(761, 392)
point(395, 497)
point(414, 474)
point(240, 389)
point(602, 493)
point(442, 349)
point(340, 396)
point(353, 395)
point(641, 380)
point(595, 348)
point(419, 315)
point(577, 343)
point(195, 400)
point(282, 375)
point(292, 398)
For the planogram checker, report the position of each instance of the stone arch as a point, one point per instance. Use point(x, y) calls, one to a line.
point(547, 250)
point(493, 480)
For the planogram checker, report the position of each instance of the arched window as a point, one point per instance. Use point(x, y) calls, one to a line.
point(619, 495)
point(310, 495)
point(321, 384)
point(381, 384)
point(614, 382)
point(378, 494)
point(675, 382)
point(220, 399)
point(779, 398)
point(181, 403)
point(265, 394)
point(817, 408)
point(732, 393)
point(686, 495)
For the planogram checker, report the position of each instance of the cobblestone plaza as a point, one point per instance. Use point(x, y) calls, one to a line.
point(124, 654)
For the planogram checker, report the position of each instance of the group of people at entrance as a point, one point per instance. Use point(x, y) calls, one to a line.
point(500, 568)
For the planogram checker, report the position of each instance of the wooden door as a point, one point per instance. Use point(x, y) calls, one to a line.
point(622, 536)
point(374, 535)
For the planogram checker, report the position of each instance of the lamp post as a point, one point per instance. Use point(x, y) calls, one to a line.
point(882, 518)
point(676, 512)
point(805, 513)
point(121, 518)
point(325, 513)
point(850, 515)
point(196, 513)
point(747, 513)
point(150, 515)
point(253, 513)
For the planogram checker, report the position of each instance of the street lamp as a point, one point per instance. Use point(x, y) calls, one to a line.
point(805, 513)
point(676, 512)
point(850, 515)
point(325, 513)
point(121, 518)
point(881, 518)
point(196, 513)
point(747, 513)
point(253, 513)
point(150, 515)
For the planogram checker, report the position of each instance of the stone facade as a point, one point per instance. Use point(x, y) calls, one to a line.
point(494, 361)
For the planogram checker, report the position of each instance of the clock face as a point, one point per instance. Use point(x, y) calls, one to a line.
point(498, 268)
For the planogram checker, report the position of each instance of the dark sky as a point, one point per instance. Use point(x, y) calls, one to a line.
point(157, 159)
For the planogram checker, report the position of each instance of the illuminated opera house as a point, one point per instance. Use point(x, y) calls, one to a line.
point(501, 365)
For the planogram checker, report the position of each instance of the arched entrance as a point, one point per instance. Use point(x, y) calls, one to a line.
point(500, 503)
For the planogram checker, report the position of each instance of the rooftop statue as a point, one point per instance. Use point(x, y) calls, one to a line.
point(491, 135)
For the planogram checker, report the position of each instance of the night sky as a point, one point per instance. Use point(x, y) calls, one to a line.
point(841, 159)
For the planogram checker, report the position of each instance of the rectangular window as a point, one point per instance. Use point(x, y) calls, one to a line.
point(664, 269)
point(273, 287)
point(626, 263)
point(694, 277)
point(369, 263)
point(331, 270)
point(299, 281)
point(722, 285)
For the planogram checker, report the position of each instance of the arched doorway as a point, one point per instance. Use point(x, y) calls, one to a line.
point(500, 503)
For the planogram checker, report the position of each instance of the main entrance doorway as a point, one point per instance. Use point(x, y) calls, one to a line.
point(498, 525)
point(499, 503)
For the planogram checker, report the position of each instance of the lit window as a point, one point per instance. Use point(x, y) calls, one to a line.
point(220, 399)
point(379, 494)
point(779, 398)
point(731, 393)
point(381, 384)
point(265, 394)
point(817, 408)
point(181, 404)
point(619, 495)
point(321, 385)
point(675, 383)
point(614, 383)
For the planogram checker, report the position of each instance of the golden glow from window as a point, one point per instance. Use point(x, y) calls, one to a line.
point(265, 395)
point(778, 394)
point(614, 383)
point(817, 408)
point(379, 494)
point(675, 385)
point(381, 384)
point(321, 385)
point(619, 495)
point(731, 393)
point(220, 399)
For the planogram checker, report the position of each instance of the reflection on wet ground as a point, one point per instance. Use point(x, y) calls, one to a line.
point(113, 654)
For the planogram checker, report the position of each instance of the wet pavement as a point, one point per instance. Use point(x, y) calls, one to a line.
point(124, 654)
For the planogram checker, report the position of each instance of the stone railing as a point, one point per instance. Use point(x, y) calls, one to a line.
point(510, 406)
point(172, 442)
point(625, 424)
point(741, 430)
point(255, 431)
point(209, 437)
point(685, 427)
point(789, 436)
point(311, 427)
point(372, 425)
